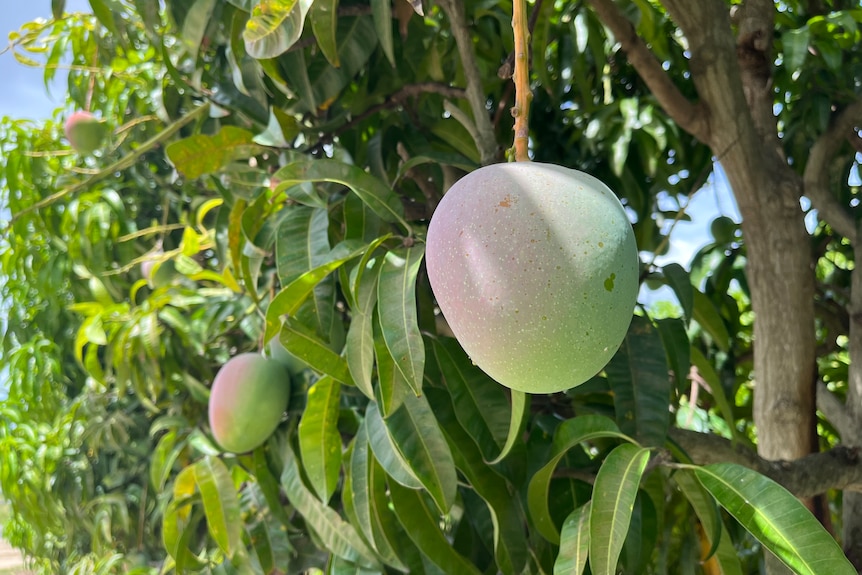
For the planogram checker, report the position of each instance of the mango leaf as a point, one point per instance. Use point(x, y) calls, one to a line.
point(383, 446)
point(104, 15)
point(319, 439)
point(381, 11)
point(396, 303)
point(680, 282)
point(324, 21)
point(274, 26)
point(707, 316)
point(422, 526)
point(519, 411)
point(339, 537)
point(710, 520)
point(391, 384)
point(289, 299)
point(480, 402)
point(570, 433)
point(195, 25)
point(574, 542)
point(203, 154)
point(268, 484)
point(716, 389)
point(376, 194)
point(614, 495)
point(794, 45)
point(221, 504)
point(638, 376)
point(507, 516)
point(304, 344)
point(775, 518)
point(676, 346)
point(357, 480)
point(418, 438)
point(360, 222)
point(359, 348)
point(392, 543)
point(302, 244)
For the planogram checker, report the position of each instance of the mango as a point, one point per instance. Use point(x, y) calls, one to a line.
point(85, 132)
point(535, 269)
point(249, 395)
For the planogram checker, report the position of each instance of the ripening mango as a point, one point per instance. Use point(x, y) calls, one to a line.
point(535, 269)
point(85, 132)
point(248, 398)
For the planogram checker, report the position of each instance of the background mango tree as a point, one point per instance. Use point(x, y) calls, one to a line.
point(265, 185)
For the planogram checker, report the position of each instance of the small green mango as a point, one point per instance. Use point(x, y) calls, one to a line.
point(249, 395)
point(85, 132)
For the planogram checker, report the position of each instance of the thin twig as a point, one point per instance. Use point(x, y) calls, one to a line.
point(523, 96)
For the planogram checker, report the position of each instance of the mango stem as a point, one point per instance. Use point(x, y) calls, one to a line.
point(523, 96)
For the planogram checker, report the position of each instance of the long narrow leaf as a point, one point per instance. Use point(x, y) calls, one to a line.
point(422, 525)
point(569, 434)
point(574, 542)
point(385, 451)
point(220, 501)
point(304, 344)
point(614, 494)
point(417, 436)
point(319, 439)
point(396, 303)
point(339, 537)
point(775, 518)
point(638, 376)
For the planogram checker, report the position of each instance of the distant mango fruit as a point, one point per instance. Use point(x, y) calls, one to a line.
point(535, 269)
point(249, 395)
point(85, 132)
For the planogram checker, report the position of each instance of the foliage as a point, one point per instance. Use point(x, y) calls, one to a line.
point(278, 161)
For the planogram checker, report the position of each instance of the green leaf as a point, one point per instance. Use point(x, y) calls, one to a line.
point(391, 384)
point(324, 21)
point(707, 316)
point(358, 481)
point(795, 47)
point(104, 15)
point(338, 537)
point(716, 389)
point(638, 377)
point(304, 344)
point(396, 302)
point(676, 346)
point(480, 402)
point(383, 446)
point(422, 525)
point(274, 26)
point(392, 543)
point(221, 504)
point(707, 513)
point(195, 25)
point(376, 194)
point(57, 8)
point(518, 414)
point(775, 518)
point(319, 439)
point(614, 495)
point(574, 542)
point(418, 438)
point(680, 282)
point(570, 433)
point(359, 348)
point(290, 299)
point(203, 154)
point(381, 11)
point(163, 459)
point(507, 516)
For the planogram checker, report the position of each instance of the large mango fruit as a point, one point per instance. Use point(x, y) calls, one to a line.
point(248, 398)
point(535, 268)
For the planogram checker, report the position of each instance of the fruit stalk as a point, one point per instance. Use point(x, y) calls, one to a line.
point(523, 96)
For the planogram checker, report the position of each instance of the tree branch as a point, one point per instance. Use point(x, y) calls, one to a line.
point(833, 410)
point(838, 468)
point(817, 169)
point(395, 99)
point(485, 139)
point(691, 117)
